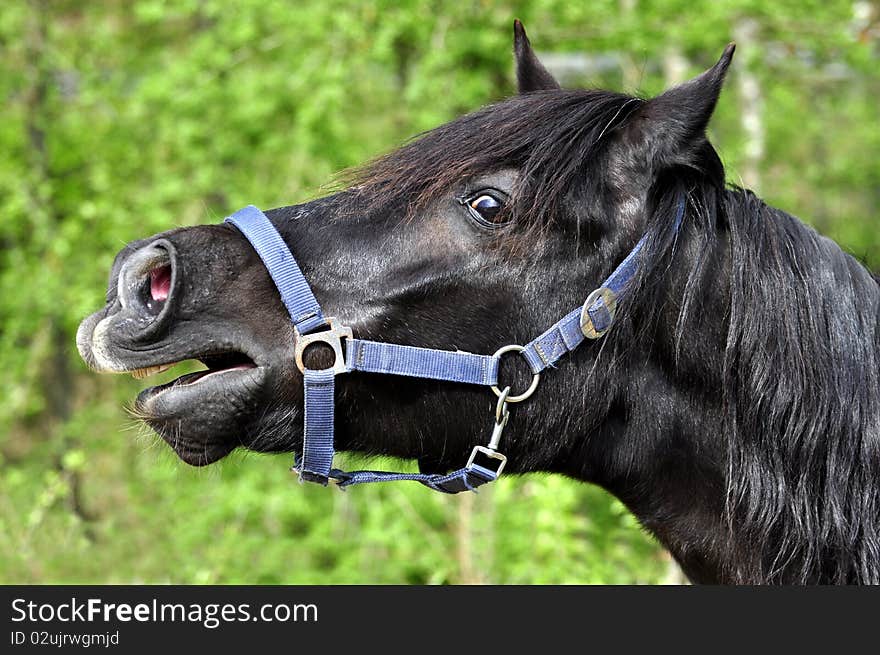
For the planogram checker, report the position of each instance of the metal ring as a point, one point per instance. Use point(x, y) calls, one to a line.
point(610, 300)
point(536, 377)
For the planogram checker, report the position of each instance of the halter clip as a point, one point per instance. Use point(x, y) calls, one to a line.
point(502, 414)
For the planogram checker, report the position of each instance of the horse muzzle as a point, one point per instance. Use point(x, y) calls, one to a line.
point(110, 340)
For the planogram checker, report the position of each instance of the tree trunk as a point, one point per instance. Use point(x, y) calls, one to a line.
point(54, 363)
point(751, 104)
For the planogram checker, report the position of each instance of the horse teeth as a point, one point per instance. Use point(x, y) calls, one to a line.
point(141, 373)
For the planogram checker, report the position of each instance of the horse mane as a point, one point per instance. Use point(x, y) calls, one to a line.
point(807, 406)
point(800, 382)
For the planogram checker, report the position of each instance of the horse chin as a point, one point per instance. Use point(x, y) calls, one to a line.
point(203, 417)
point(196, 454)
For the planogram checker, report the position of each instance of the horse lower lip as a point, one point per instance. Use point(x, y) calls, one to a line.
point(184, 396)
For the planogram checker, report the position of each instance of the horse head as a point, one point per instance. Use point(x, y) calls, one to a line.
point(480, 233)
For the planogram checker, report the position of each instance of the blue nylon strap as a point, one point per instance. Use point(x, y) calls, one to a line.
point(616, 283)
point(296, 294)
point(370, 356)
point(318, 437)
point(563, 337)
point(566, 335)
point(464, 479)
point(316, 463)
point(452, 366)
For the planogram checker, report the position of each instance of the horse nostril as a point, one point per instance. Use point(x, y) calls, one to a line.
point(146, 280)
point(160, 287)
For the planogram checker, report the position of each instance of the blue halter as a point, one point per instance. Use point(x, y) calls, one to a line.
point(592, 320)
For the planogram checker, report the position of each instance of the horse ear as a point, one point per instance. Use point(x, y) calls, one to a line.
point(530, 73)
point(674, 122)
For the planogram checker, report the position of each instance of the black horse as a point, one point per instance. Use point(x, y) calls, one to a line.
point(734, 406)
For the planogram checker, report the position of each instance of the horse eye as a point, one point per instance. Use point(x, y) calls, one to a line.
point(486, 208)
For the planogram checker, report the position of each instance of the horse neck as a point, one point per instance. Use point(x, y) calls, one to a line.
point(639, 414)
point(742, 427)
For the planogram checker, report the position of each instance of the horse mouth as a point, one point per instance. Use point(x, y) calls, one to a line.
point(200, 414)
point(216, 365)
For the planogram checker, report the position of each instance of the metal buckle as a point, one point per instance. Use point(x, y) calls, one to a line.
point(536, 377)
point(332, 337)
point(488, 452)
point(610, 300)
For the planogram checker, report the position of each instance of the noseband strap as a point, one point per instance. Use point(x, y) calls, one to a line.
point(592, 320)
point(296, 294)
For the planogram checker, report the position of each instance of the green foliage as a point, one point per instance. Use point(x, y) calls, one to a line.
point(122, 119)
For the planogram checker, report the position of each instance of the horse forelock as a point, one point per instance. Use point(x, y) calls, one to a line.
point(549, 138)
